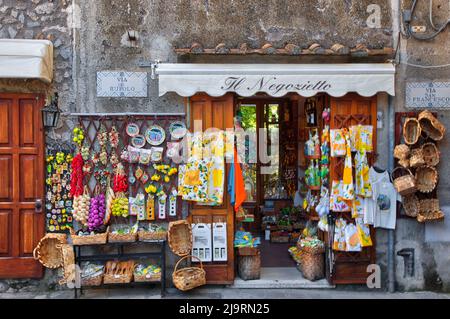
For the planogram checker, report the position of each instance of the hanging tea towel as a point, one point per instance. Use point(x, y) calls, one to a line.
point(348, 192)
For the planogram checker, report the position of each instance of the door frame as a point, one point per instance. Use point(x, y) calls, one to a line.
point(24, 266)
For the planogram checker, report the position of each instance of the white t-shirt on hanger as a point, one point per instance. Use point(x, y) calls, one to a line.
point(381, 210)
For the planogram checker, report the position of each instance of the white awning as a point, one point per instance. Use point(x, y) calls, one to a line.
point(26, 59)
point(276, 79)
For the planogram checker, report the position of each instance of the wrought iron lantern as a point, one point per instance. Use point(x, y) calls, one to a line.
point(51, 113)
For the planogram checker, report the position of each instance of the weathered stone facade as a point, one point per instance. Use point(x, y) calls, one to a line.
point(90, 36)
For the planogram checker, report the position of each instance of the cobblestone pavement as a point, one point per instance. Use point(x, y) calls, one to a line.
point(225, 293)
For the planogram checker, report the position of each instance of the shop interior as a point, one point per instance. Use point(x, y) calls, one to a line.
point(274, 210)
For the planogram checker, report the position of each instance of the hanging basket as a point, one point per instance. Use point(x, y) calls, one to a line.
point(48, 251)
point(180, 238)
point(431, 154)
point(405, 163)
point(401, 152)
point(426, 179)
point(404, 184)
point(188, 278)
point(430, 210)
point(416, 159)
point(431, 125)
point(68, 264)
point(411, 131)
point(411, 205)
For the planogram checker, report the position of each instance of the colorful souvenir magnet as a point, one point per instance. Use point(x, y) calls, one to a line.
point(162, 199)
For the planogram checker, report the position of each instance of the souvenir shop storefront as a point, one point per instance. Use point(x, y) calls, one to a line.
point(317, 124)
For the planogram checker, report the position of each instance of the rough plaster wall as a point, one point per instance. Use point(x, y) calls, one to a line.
point(431, 259)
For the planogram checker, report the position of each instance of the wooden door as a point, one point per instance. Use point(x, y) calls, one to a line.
point(351, 268)
point(218, 113)
point(21, 184)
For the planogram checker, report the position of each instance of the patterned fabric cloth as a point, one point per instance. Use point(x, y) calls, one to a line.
point(363, 185)
point(337, 203)
point(362, 138)
point(348, 192)
point(338, 143)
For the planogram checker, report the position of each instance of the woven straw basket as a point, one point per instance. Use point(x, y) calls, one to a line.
point(430, 210)
point(149, 236)
point(180, 238)
point(97, 239)
point(122, 238)
point(431, 125)
point(426, 179)
point(188, 278)
point(416, 159)
point(406, 184)
point(411, 131)
point(48, 251)
point(312, 263)
point(431, 154)
point(118, 272)
point(401, 152)
point(411, 205)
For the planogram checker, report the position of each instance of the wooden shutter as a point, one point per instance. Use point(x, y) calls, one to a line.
point(351, 268)
point(215, 112)
point(21, 184)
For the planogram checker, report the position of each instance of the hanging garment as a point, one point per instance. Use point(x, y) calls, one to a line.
point(339, 242)
point(362, 138)
point(358, 207)
point(363, 185)
point(382, 208)
point(348, 192)
point(337, 203)
point(240, 193)
point(364, 233)
point(352, 239)
point(232, 183)
point(338, 143)
point(193, 181)
point(214, 152)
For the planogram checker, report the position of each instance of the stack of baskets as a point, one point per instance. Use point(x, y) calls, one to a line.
point(312, 262)
point(180, 242)
point(417, 159)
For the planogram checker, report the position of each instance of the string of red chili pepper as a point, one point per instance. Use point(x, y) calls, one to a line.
point(76, 180)
point(120, 184)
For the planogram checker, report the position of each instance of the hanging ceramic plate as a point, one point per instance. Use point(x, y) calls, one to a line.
point(138, 141)
point(155, 135)
point(177, 130)
point(132, 129)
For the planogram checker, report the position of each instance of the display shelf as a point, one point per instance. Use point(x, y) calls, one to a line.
point(122, 255)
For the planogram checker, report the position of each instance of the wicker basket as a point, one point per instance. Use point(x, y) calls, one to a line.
point(122, 238)
point(431, 154)
point(190, 277)
point(405, 184)
point(401, 152)
point(69, 269)
point(48, 251)
point(411, 131)
point(312, 263)
point(149, 236)
point(404, 163)
point(180, 237)
point(92, 281)
point(416, 158)
point(411, 205)
point(118, 272)
point(97, 239)
point(426, 179)
point(430, 210)
point(147, 278)
point(431, 125)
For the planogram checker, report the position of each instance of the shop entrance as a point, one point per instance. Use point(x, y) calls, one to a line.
point(21, 184)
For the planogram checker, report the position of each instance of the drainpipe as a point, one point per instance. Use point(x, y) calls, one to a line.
point(391, 233)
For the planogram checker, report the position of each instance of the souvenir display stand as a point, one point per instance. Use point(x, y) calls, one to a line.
point(122, 255)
